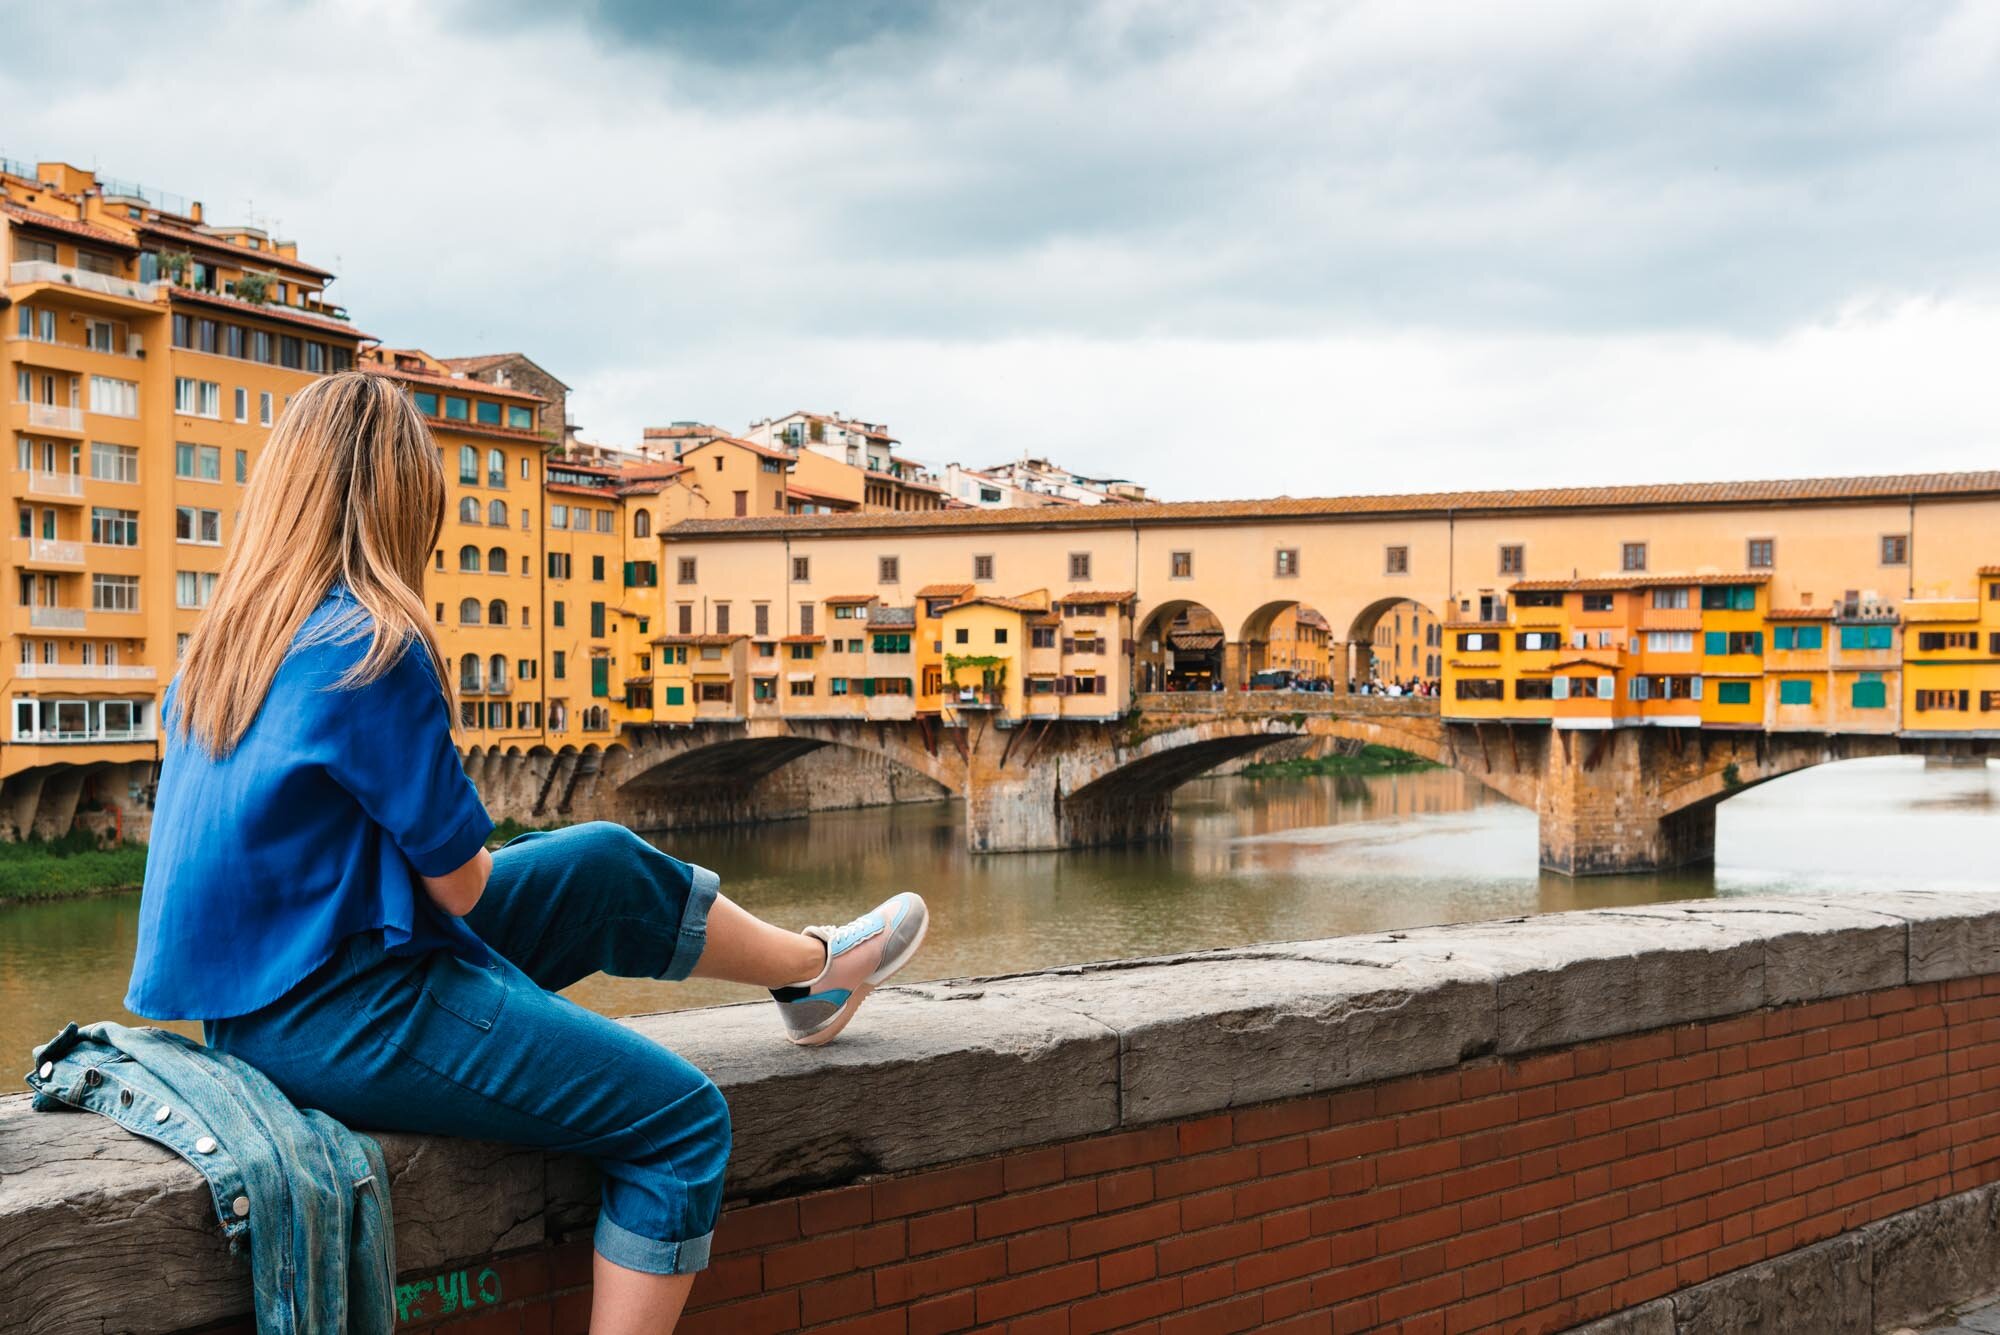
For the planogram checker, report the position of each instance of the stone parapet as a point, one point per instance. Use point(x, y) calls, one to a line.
point(1326, 1120)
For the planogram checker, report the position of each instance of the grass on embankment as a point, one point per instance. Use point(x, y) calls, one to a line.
point(72, 865)
point(1371, 759)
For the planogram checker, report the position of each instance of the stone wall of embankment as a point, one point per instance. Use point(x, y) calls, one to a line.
point(1773, 1115)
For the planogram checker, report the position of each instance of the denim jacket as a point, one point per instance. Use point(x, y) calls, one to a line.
point(312, 1195)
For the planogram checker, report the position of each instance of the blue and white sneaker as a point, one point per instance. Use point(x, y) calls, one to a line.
point(859, 958)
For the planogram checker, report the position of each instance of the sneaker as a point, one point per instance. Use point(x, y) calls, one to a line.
point(859, 958)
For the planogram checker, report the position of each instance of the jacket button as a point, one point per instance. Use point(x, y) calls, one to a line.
point(240, 1207)
point(48, 1070)
point(206, 1145)
point(163, 1114)
point(93, 1078)
point(124, 1098)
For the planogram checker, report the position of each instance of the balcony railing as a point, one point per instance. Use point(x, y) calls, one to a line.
point(89, 671)
point(56, 618)
point(43, 736)
point(55, 484)
point(110, 285)
point(55, 417)
point(53, 551)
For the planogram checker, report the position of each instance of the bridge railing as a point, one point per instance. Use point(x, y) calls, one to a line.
point(1270, 704)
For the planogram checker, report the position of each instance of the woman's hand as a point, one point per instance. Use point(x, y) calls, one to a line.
point(456, 892)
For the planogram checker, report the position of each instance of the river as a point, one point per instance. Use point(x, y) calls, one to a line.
point(1251, 860)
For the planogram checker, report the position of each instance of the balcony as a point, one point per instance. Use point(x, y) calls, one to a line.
point(83, 280)
point(82, 735)
point(51, 552)
point(87, 671)
point(62, 486)
point(56, 618)
point(55, 417)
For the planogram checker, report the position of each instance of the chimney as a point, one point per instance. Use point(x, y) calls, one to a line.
point(194, 210)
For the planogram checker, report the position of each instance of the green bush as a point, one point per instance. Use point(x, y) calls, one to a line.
point(70, 865)
point(1371, 759)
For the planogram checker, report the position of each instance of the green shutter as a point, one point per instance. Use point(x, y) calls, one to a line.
point(1756, 641)
point(1715, 642)
point(1812, 637)
point(1853, 637)
point(600, 676)
point(1795, 692)
point(1870, 694)
point(1743, 597)
point(597, 619)
point(1732, 693)
point(1784, 637)
point(629, 565)
point(1881, 637)
point(676, 695)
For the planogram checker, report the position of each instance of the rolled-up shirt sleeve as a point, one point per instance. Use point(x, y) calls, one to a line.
point(402, 768)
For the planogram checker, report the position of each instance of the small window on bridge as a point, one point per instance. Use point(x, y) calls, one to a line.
point(1597, 602)
point(1396, 561)
point(1895, 549)
point(801, 569)
point(1732, 692)
point(1181, 565)
point(982, 568)
point(1534, 688)
point(1795, 691)
point(1539, 598)
point(1513, 559)
point(1481, 688)
point(685, 571)
point(1079, 566)
point(1761, 554)
point(1633, 556)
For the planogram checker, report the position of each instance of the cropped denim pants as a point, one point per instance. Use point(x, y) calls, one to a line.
point(431, 1043)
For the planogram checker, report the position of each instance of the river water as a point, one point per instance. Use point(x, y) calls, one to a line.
point(1251, 860)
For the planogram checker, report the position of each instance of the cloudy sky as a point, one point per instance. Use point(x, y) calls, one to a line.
point(1225, 249)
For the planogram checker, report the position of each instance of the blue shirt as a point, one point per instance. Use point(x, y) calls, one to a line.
point(315, 827)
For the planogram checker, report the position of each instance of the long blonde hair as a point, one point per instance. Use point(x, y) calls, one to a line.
point(348, 489)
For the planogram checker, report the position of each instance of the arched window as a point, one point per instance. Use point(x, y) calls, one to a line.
point(496, 672)
point(468, 673)
point(496, 613)
point(468, 510)
point(468, 559)
point(496, 470)
point(468, 463)
point(642, 523)
point(496, 560)
point(496, 514)
point(468, 612)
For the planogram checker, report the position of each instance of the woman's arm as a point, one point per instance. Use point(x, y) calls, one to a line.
point(456, 892)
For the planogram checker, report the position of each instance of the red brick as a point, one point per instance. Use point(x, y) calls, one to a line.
point(1034, 1251)
point(1128, 1149)
point(938, 1190)
point(767, 1315)
point(941, 1316)
point(937, 1274)
point(1034, 1209)
point(1047, 1288)
point(935, 1232)
point(826, 1211)
point(1202, 1173)
point(1282, 1119)
point(1210, 1133)
point(1237, 1314)
point(1125, 1308)
point(1122, 1191)
point(756, 1226)
point(1268, 1267)
point(881, 1323)
point(1037, 1168)
point(832, 1299)
point(1089, 1237)
point(1127, 1267)
point(1218, 1244)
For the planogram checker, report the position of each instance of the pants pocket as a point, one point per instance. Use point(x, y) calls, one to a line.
point(472, 992)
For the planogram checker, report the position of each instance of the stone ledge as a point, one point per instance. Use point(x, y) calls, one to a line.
point(942, 1072)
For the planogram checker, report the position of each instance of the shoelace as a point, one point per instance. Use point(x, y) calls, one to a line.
point(839, 939)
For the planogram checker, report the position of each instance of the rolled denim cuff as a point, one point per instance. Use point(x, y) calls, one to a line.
point(692, 939)
point(621, 1246)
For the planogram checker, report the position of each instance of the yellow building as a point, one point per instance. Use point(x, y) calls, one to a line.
point(485, 585)
point(1299, 643)
point(1407, 644)
point(147, 354)
point(1951, 663)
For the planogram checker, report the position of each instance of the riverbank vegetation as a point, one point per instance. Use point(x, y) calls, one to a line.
point(72, 865)
point(1370, 759)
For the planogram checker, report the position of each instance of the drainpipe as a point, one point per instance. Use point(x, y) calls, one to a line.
point(1910, 563)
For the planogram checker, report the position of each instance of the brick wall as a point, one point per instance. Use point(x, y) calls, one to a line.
point(1525, 1194)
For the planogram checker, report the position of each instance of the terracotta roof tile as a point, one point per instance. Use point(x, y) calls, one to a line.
point(712, 640)
point(749, 445)
point(1800, 614)
point(463, 386)
point(1195, 639)
point(944, 591)
point(1793, 491)
point(802, 639)
point(254, 258)
point(994, 600)
point(1098, 596)
point(268, 310)
point(835, 598)
point(807, 493)
point(28, 217)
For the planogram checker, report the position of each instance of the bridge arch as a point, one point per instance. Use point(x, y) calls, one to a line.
point(1183, 645)
point(1397, 637)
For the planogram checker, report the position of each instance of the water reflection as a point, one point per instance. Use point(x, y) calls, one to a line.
point(1252, 860)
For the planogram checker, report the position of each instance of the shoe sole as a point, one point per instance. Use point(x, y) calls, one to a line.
point(829, 1031)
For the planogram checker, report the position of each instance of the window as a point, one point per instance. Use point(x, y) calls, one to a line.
point(113, 463)
point(114, 593)
point(1632, 556)
point(263, 410)
point(1480, 642)
point(1930, 641)
point(496, 469)
point(1539, 598)
point(1480, 688)
point(197, 398)
point(113, 528)
point(887, 569)
point(982, 568)
point(802, 688)
point(242, 404)
point(1534, 688)
point(469, 610)
point(1513, 559)
point(496, 513)
point(801, 651)
point(891, 643)
point(1042, 637)
point(242, 466)
point(1669, 641)
point(1895, 549)
point(193, 588)
point(805, 618)
point(1869, 692)
point(962, 635)
point(1795, 691)
point(642, 523)
point(999, 635)
point(486, 412)
point(1597, 602)
point(597, 568)
point(198, 463)
point(801, 569)
point(1180, 565)
point(291, 352)
point(260, 347)
point(468, 559)
point(192, 524)
point(1797, 637)
point(1531, 640)
point(1079, 566)
point(1729, 597)
point(454, 408)
point(1732, 692)
point(115, 398)
point(1867, 637)
point(520, 419)
point(559, 669)
point(1733, 642)
point(496, 612)
point(1946, 701)
point(1761, 554)
point(684, 570)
